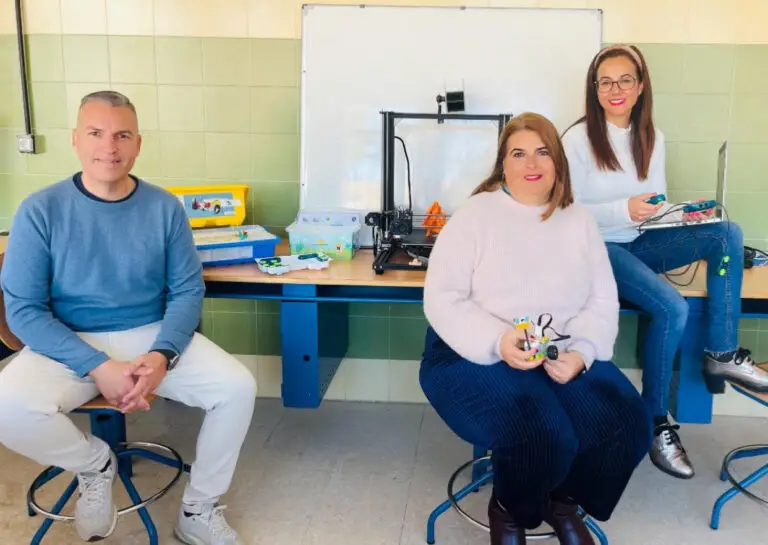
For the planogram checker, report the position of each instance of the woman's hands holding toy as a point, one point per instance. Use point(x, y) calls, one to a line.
point(512, 350)
point(565, 368)
point(639, 210)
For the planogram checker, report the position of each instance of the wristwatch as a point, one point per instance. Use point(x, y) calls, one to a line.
point(170, 355)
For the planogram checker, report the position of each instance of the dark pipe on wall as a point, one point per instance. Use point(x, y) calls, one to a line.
point(26, 141)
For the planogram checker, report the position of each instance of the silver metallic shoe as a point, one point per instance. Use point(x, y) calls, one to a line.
point(740, 369)
point(667, 452)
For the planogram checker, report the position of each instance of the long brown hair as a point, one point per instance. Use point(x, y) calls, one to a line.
point(561, 195)
point(643, 132)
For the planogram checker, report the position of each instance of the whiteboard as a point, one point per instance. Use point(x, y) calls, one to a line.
point(360, 60)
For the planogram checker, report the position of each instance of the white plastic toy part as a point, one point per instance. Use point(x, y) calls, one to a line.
point(287, 263)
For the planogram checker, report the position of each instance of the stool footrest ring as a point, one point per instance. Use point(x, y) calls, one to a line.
point(738, 453)
point(127, 449)
point(455, 504)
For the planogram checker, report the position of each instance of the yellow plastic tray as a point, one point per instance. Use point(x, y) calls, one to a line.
point(213, 205)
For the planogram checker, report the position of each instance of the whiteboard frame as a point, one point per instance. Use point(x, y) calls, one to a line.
point(303, 92)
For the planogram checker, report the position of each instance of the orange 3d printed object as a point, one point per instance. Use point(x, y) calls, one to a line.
point(435, 219)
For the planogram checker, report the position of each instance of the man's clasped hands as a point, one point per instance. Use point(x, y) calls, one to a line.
point(127, 384)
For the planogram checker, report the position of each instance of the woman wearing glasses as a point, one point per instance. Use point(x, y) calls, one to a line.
point(617, 162)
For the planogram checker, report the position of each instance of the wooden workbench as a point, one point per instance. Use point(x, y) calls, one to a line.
point(359, 272)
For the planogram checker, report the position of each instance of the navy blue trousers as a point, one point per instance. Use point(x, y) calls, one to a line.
point(581, 440)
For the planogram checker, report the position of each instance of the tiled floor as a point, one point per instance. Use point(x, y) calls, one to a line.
point(369, 474)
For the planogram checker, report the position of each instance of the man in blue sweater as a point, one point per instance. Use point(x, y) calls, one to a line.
point(103, 285)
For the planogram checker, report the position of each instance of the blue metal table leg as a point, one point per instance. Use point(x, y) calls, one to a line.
point(691, 401)
point(314, 339)
point(732, 492)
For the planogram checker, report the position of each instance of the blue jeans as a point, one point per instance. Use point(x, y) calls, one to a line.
point(636, 266)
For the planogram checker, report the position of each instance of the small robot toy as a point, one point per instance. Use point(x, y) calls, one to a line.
point(543, 344)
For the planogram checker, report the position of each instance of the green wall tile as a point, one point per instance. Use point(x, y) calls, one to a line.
point(132, 59)
point(746, 325)
point(369, 309)
point(747, 167)
point(751, 69)
point(9, 59)
point(692, 165)
point(368, 337)
point(182, 155)
point(144, 99)
point(275, 203)
point(85, 58)
point(665, 64)
point(235, 332)
point(56, 155)
point(749, 117)
point(207, 325)
point(180, 108)
point(274, 110)
point(407, 310)
point(11, 161)
point(7, 204)
point(233, 305)
point(268, 307)
point(268, 337)
point(667, 110)
point(226, 109)
point(179, 60)
point(226, 61)
point(49, 105)
point(149, 162)
point(275, 63)
point(704, 118)
point(45, 58)
point(748, 209)
point(275, 157)
point(227, 156)
point(406, 338)
point(11, 111)
point(708, 68)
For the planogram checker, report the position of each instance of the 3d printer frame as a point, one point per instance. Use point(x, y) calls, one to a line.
point(396, 228)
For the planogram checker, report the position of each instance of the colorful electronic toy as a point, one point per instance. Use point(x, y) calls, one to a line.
point(543, 344)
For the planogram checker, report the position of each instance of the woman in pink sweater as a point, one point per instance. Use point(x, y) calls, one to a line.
point(565, 430)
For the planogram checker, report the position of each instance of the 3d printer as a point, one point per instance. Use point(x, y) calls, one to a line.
point(403, 240)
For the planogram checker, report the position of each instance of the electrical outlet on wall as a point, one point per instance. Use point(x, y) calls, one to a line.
point(25, 143)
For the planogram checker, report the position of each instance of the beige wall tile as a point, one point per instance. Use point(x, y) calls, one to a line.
point(42, 16)
point(273, 18)
point(7, 17)
point(227, 19)
point(83, 17)
point(130, 17)
point(178, 17)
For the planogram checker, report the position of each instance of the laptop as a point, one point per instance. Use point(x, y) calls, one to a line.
point(665, 219)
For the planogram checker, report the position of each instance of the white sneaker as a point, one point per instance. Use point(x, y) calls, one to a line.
point(205, 525)
point(95, 512)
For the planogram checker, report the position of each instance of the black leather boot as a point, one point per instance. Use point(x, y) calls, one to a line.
point(564, 518)
point(504, 530)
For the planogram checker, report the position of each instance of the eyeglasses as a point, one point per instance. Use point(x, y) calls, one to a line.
point(625, 83)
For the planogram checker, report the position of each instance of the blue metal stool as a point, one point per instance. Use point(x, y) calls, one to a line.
point(482, 472)
point(108, 423)
point(747, 451)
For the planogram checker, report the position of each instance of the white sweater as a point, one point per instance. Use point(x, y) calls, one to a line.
point(495, 260)
point(607, 193)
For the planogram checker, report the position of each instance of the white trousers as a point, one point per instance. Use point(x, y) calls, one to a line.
point(36, 393)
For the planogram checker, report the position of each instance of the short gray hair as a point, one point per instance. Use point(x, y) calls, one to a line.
point(113, 98)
